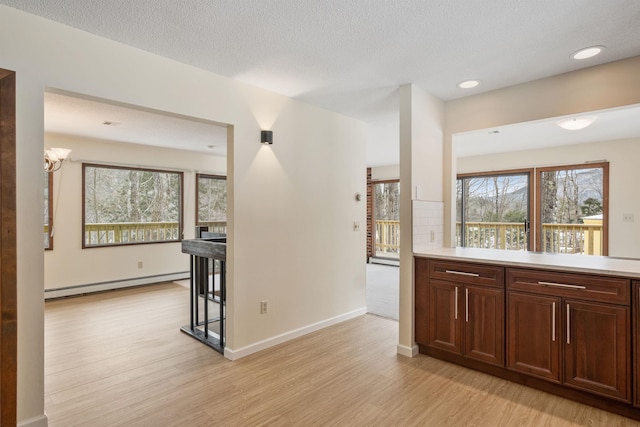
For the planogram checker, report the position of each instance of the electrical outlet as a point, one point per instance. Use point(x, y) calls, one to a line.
point(264, 307)
point(139, 264)
point(628, 217)
point(356, 225)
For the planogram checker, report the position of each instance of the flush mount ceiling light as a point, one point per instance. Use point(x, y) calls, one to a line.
point(468, 84)
point(576, 123)
point(587, 52)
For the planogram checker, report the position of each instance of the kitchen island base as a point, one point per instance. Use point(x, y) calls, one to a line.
point(568, 332)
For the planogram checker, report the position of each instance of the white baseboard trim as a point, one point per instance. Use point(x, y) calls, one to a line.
point(39, 421)
point(288, 336)
point(115, 284)
point(403, 350)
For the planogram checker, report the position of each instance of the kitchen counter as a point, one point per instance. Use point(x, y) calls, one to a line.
point(591, 264)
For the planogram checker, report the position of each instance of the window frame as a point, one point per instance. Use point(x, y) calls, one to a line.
point(605, 199)
point(180, 175)
point(373, 214)
point(530, 172)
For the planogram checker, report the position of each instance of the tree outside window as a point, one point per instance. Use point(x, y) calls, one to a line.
point(130, 205)
point(211, 202)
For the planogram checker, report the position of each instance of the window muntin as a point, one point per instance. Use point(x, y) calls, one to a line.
point(127, 205)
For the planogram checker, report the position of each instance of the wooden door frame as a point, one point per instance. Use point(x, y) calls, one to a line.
point(8, 256)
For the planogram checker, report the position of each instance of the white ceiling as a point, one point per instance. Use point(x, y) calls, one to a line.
point(350, 56)
point(98, 119)
point(617, 123)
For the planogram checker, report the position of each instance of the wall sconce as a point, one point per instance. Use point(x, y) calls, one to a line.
point(266, 137)
point(53, 158)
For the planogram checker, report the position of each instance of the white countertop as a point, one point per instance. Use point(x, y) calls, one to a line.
point(577, 263)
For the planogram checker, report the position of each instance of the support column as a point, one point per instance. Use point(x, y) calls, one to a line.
point(421, 179)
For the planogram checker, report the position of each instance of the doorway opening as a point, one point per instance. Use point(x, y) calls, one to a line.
point(383, 252)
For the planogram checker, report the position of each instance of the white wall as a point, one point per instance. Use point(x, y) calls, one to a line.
point(382, 173)
point(291, 237)
point(68, 265)
point(624, 194)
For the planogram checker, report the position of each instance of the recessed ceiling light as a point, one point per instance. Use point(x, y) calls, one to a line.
point(587, 52)
point(576, 123)
point(468, 84)
point(211, 147)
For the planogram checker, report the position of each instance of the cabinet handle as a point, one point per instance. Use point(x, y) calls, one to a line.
point(568, 324)
point(455, 307)
point(561, 285)
point(466, 304)
point(462, 273)
point(553, 321)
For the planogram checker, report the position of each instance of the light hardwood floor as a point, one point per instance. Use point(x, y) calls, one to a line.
point(118, 359)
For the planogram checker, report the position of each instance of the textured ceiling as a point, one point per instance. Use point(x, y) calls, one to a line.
point(350, 56)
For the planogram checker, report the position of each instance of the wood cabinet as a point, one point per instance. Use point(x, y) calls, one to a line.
point(582, 341)
point(534, 334)
point(465, 310)
point(597, 350)
point(567, 333)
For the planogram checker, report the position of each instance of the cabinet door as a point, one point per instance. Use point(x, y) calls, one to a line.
point(534, 335)
point(444, 316)
point(484, 324)
point(597, 349)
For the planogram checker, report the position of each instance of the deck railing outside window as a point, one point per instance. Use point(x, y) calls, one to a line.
point(387, 238)
point(583, 239)
point(139, 232)
point(561, 238)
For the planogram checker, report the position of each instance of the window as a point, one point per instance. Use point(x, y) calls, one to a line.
point(211, 202)
point(48, 210)
point(573, 206)
point(386, 216)
point(124, 206)
point(492, 210)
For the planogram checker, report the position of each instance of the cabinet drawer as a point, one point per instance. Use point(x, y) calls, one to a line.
point(582, 286)
point(463, 272)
